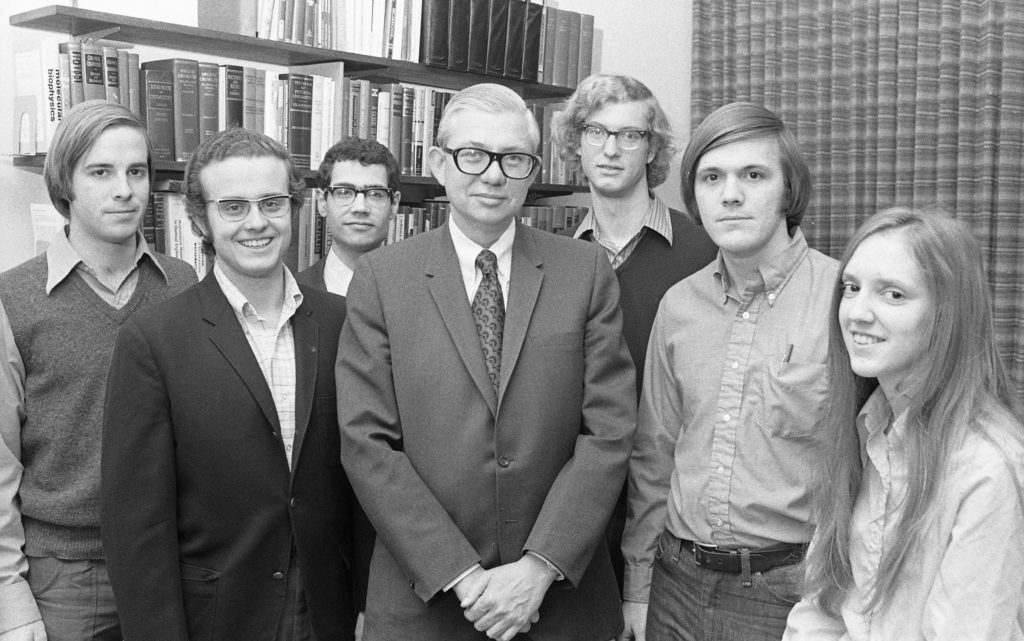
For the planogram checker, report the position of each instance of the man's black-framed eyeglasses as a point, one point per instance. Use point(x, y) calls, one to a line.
point(375, 196)
point(233, 210)
point(516, 165)
point(596, 135)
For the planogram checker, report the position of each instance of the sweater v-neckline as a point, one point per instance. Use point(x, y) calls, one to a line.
point(117, 314)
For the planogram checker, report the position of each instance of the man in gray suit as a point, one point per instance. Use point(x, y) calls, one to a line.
point(486, 403)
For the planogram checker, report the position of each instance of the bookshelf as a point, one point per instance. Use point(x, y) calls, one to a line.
point(77, 22)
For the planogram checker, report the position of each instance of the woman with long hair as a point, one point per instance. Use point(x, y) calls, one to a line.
point(920, 511)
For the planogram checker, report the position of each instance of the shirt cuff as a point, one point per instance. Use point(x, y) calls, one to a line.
point(551, 566)
point(456, 580)
point(637, 583)
point(17, 606)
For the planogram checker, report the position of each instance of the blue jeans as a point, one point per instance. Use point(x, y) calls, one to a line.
point(691, 603)
point(75, 599)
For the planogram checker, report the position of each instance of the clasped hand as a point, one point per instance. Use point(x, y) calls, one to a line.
point(505, 601)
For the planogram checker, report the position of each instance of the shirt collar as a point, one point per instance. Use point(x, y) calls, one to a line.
point(244, 309)
point(776, 271)
point(62, 258)
point(878, 412)
point(467, 250)
point(336, 274)
point(657, 220)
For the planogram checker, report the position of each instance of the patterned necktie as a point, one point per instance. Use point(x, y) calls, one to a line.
point(489, 313)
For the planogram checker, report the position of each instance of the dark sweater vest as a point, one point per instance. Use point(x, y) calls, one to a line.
point(66, 340)
point(650, 270)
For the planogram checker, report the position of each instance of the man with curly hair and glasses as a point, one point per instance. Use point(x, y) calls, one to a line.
point(614, 131)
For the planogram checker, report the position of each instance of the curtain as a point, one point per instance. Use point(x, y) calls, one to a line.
point(894, 102)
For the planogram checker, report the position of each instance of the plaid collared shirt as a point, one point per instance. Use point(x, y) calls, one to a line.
point(273, 346)
point(656, 219)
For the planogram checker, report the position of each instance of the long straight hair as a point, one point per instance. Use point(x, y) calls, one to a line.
point(960, 381)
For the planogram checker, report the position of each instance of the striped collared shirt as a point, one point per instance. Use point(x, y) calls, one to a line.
point(656, 219)
point(273, 346)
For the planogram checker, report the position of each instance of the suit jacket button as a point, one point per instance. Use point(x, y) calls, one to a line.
point(504, 462)
point(412, 584)
point(294, 502)
point(277, 576)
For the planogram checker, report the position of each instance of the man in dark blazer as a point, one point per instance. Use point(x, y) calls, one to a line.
point(358, 196)
point(225, 511)
point(490, 478)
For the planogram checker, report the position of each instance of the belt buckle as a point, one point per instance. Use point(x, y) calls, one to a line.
point(699, 550)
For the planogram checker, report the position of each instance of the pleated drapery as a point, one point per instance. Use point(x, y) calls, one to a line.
point(894, 102)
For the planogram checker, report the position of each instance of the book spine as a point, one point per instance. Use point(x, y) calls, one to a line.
point(532, 41)
point(65, 80)
point(497, 38)
point(586, 46)
point(234, 96)
point(434, 33)
point(254, 93)
point(77, 73)
point(458, 34)
point(515, 39)
point(299, 116)
point(209, 87)
point(573, 52)
point(92, 72)
point(408, 126)
point(550, 45)
point(156, 97)
point(560, 71)
point(122, 76)
point(111, 75)
point(186, 108)
point(309, 23)
point(134, 103)
point(479, 24)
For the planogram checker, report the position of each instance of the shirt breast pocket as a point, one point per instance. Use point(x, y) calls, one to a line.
point(793, 397)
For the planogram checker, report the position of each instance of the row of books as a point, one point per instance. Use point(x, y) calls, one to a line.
point(381, 28)
point(518, 39)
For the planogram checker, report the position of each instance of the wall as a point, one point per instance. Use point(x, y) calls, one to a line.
point(624, 35)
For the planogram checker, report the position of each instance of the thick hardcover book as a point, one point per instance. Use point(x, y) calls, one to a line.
point(515, 39)
point(479, 26)
point(186, 103)
point(92, 72)
point(254, 96)
point(458, 34)
point(111, 75)
point(586, 46)
point(309, 23)
point(573, 62)
point(231, 99)
point(434, 33)
point(153, 224)
point(497, 38)
point(560, 71)
point(532, 40)
point(74, 51)
point(209, 88)
point(299, 116)
point(64, 79)
point(547, 64)
point(156, 101)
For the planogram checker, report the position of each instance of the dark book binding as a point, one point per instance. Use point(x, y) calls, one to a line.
point(515, 39)
point(497, 38)
point(434, 33)
point(458, 34)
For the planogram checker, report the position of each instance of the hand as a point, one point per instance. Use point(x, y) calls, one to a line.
point(511, 600)
point(34, 631)
point(635, 616)
point(469, 589)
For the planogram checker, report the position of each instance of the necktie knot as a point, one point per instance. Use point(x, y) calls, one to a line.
point(487, 263)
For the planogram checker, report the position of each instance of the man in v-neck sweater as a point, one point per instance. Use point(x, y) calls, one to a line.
point(615, 132)
point(59, 316)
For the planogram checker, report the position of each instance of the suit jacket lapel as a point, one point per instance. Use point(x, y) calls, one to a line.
point(444, 280)
point(306, 335)
point(229, 338)
point(524, 288)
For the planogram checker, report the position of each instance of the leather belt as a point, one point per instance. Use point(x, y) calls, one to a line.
point(731, 560)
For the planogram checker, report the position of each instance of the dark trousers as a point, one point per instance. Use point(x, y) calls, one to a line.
point(692, 603)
